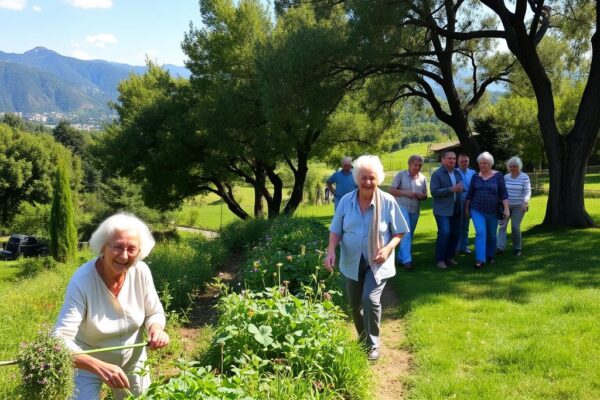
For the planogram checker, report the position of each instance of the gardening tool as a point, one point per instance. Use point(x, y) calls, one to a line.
point(127, 346)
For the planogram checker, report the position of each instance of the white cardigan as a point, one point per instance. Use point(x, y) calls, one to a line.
point(92, 317)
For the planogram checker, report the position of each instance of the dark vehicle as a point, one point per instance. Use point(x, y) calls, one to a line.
point(23, 246)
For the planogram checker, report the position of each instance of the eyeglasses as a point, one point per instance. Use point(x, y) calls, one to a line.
point(131, 251)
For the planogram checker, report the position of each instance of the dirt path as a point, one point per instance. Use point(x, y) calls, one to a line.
point(202, 312)
point(395, 362)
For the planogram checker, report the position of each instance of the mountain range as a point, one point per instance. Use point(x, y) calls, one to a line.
point(42, 80)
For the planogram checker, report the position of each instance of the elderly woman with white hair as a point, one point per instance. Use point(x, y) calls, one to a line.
point(518, 187)
point(368, 224)
point(486, 191)
point(108, 301)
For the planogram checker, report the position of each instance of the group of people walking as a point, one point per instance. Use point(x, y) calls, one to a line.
point(369, 223)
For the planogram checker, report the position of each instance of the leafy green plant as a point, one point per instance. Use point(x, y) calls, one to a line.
point(184, 267)
point(46, 366)
point(278, 333)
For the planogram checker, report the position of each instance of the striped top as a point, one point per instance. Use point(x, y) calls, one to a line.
point(519, 189)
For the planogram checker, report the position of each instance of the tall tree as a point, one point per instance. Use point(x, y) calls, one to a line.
point(69, 137)
point(63, 233)
point(27, 167)
point(523, 25)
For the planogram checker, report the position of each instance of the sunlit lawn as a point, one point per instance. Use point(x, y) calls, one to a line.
point(8, 269)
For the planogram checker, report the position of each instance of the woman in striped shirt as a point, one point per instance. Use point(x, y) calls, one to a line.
point(519, 193)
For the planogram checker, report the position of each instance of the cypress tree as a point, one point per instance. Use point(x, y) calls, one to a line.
point(63, 234)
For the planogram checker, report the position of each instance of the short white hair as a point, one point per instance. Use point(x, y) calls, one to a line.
point(514, 161)
point(122, 222)
point(368, 161)
point(346, 159)
point(486, 157)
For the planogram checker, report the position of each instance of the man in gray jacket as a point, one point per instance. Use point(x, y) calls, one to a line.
point(446, 186)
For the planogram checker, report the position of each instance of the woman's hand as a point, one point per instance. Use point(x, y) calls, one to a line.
point(112, 375)
point(157, 337)
point(506, 213)
point(524, 207)
point(382, 255)
point(329, 262)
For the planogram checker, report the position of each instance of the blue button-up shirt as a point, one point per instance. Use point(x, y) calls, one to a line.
point(466, 180)
point(352, 226)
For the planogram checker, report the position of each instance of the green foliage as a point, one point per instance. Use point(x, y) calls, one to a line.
point(241, 235)
point(69, 137)
point(14, 121)
point(46, 366)
point(32, 266)
point(32, 219)
point(272, 332)
point(291, 251)
point(63, 233)
point(28, 163)
point(182, 269)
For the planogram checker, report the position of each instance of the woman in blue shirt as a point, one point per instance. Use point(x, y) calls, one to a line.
point(368, 225)
point(486, 191)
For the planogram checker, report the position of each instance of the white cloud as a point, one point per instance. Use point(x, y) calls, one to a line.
point(37, 8)
point(82, 55)
point(16, 5)
point(101, 39)
point(90, 3)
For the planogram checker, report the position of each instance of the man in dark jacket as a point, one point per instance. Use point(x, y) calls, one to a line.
point(446, 186)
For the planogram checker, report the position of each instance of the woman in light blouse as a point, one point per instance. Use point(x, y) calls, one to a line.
point(108, 301)
point(367, 225)
point(518, 187)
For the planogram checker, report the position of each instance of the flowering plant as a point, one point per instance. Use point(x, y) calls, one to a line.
point(46, 366)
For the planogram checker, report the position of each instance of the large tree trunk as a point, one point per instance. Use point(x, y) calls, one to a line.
point(299, 178)
point(225, 192)
point(259, 189)
point(567, 156)
point(274, 204)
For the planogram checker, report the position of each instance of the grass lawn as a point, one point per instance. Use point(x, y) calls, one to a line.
point(8, 270)
point(523, 328)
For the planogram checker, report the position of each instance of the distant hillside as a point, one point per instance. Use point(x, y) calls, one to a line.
point(41, 80)
point(29, 89)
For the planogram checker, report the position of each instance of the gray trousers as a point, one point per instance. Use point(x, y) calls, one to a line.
point(515, 218)
point(364, 298)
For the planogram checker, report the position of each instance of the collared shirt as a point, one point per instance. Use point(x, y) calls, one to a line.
point(92, 317)
point(403, 181)
point(453, 180)
point(466, 176)
point(344, 183)
point(352, 226)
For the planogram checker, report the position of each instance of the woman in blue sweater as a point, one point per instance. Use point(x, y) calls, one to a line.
point(486, 191)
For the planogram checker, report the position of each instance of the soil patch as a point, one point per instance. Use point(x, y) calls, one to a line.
point(394, 363)
point(202, 312)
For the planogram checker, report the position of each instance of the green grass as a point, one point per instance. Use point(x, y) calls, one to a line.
point(521, 328)
point(8, 270)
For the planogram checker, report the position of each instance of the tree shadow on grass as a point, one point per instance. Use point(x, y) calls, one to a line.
point(550, 259)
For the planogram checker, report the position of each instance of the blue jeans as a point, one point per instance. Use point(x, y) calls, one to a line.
point(404, 254)
point(447, 236)
point(485, 234)
point(463, 241)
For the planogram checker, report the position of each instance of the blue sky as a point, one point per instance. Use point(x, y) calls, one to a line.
point(114, 30)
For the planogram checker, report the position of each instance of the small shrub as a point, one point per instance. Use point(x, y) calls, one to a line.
point(242, 235)
point(46, 367)
point(30, 267)
point(184, 268)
